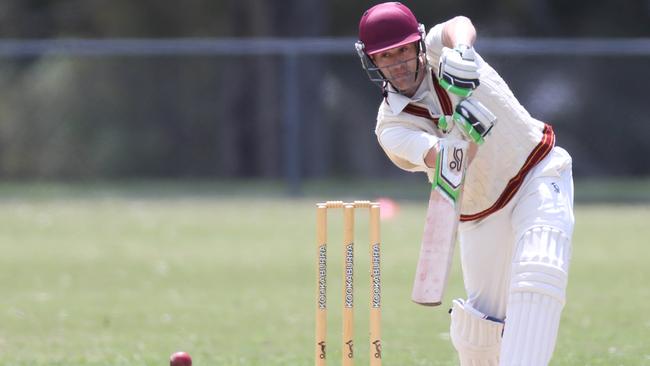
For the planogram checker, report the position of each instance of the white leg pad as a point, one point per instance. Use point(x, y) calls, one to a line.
point(536, 297)
point(476, 338)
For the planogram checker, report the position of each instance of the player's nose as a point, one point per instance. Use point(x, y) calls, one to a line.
point(400, 66)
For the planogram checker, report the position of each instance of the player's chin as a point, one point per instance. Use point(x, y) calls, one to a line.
point(405, 82)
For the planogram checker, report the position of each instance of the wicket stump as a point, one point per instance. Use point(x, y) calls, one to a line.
point(348, 282)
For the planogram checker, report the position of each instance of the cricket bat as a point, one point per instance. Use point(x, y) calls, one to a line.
point(443, 213)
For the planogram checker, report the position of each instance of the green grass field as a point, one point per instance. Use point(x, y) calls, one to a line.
point(113, 278)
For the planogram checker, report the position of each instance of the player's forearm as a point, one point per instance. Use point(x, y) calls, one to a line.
point(408, 144)
point(458, 30)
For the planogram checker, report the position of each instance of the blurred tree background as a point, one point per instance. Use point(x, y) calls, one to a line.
point(184, 116)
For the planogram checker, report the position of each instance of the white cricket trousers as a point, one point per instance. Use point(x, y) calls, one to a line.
point(515, 262)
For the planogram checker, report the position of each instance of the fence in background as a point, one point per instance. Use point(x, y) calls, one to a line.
point(292, 53)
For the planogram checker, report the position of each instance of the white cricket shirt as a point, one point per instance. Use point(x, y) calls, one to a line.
point(516, 143)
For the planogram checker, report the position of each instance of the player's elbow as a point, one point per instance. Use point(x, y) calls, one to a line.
point(461, 19)
point(464, 24)
point(458, 30)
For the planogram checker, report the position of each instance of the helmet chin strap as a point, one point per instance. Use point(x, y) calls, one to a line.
point(417, 67)
point(422, 57)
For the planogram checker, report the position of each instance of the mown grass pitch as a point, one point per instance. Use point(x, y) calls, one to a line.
point(111, 279)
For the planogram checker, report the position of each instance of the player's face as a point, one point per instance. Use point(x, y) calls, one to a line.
point(399, 65)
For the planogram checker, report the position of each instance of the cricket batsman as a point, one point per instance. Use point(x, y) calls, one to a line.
point(516, 209)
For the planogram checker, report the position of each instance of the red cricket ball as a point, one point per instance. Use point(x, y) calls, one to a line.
point(180, 359)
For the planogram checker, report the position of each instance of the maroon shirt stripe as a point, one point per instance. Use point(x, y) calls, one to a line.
point(443, 97)
point(445, 103)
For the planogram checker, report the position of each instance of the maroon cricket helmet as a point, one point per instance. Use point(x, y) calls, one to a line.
point(388, 25)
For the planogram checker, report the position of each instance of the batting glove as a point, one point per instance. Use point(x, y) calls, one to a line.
point(458, 71)
point(474, 119)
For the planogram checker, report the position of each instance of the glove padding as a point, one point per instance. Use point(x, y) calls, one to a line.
point(458, 71)
point(474, 119)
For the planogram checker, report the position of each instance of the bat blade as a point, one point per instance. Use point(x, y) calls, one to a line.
point(441, 224)
point(436, 251)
